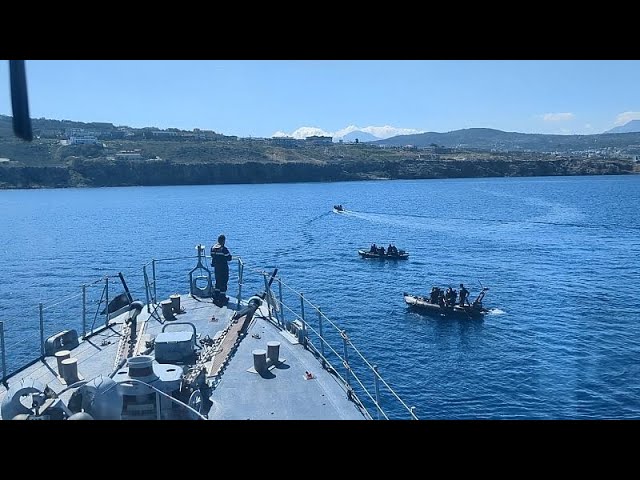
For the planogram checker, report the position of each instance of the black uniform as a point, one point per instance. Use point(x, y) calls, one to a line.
point(220, 258)
point(464, 296)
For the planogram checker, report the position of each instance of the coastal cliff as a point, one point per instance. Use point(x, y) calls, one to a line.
point(91, 173)
point(75, 154)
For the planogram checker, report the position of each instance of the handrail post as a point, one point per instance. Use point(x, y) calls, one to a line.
point(304, 322)
point(321, 337)
point(4, 363)
point(343, 334)
point(146, 287)
point(413, 415)
point(276, 308)
point(106, 289)
point(84, 311)
point(375, 371)
point(240, 274)
point(41, 329)
point(281, 304)
point(153, 272)
point(267, 294)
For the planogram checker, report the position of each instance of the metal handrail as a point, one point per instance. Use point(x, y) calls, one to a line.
point(353, 374)
point(39, 335)
point(62, 300)
point(305, 300)
point(169, 397)
point(283, 307)
point(276, 303)
point(375, 371)
point(2, 357)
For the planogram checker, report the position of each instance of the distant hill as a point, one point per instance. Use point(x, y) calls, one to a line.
point(48, 124)
point(178, 157)
point(49, 128)
point(629, 127)
point(360, 135)
point(487, 139)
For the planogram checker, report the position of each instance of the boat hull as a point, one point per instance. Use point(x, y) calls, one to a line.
point(422, 305)
point(377, 256)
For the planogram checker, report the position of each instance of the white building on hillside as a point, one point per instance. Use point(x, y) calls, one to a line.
point(83, 140)
point(128, 155)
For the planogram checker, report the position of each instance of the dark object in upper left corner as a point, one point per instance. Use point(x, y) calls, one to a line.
point(20, 100)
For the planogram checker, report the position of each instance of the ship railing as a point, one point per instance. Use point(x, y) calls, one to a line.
point(292, 311)
point(81, 312)
point(335, 350)
point(158, 281)
point(3, 362)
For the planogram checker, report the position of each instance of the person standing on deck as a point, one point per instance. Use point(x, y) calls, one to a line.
point(464, 296)
point(220, 258)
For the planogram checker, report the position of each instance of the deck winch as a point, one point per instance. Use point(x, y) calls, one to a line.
point(137, 382)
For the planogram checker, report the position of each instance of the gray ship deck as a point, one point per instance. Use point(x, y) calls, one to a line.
point(283, 393)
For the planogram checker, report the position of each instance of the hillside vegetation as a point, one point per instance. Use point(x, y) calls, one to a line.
point(174, 157)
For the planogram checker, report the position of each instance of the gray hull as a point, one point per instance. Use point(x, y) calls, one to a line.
point(377, 256)
point(422, 305)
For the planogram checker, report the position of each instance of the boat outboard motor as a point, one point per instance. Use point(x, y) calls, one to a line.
point(100, 398)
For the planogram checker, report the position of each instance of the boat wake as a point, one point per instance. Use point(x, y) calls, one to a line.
point(409, 219)
point(311, 220)
point(496, 311)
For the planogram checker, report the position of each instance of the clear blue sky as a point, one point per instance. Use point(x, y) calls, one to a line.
point(260, 98)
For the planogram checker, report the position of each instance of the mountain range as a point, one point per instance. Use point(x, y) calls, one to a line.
point(488, 139)
point(357, 135)
point(629, 127)
point(473, 138)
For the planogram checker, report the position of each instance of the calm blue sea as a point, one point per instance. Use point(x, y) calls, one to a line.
point(561, 256)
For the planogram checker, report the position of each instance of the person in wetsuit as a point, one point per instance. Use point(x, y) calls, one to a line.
point(220, 258)
point(441, 298)
point(447, 298)
point(464, 296)
point(433, 297)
